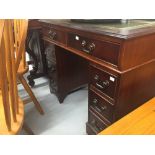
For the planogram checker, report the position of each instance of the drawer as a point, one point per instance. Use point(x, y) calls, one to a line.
point(55, 35)
point(103, 81)
point(101, 106)
point(101, 49)
point(95, 122)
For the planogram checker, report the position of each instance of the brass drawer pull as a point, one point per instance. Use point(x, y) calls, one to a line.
point(84, 43)
point(95, 101)
point(98, 107)
point(104, 108)
point(104, 85)
point(96, 77)
point(89, 48)
point(100, 86)
point(52, 34)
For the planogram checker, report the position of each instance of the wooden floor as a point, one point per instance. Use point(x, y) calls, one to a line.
point(139, 122)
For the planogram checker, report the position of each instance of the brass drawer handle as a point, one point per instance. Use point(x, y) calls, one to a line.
point(83, 43)
point(89, 48)
point(95, 101)
point(96, 77)
point(52, 35)
point(104, 85)
point(104, 108)
point(50, 32)
point(100, 86)
point(98, 107)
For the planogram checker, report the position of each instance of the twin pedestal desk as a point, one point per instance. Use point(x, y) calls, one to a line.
point(117, 61)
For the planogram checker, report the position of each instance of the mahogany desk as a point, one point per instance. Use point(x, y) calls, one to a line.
point(116, 61)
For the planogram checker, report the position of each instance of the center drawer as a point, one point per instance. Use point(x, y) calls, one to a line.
point(103, 81)
point(54, 35)
point(103, 50)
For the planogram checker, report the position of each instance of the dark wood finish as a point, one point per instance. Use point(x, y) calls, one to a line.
point(96, 124)
point(124, 40)
point(72, 72)
point(103, 50)
point(35, 49)
point(67, 72)
point(104, 81)
point(137, 51)
point(54, 35)
point(120, 61)
point(135, 88)
point(108, 32)
point(51, 66)
point(101, 106)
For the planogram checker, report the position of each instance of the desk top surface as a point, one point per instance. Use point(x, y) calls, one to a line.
point(139, 122)
point(132, 28)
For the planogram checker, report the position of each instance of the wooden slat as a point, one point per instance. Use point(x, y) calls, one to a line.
point(139, 122)
point(14, 71)
point(20, 29)
point(21, 48)
point(15, 36)
point(1, 32)
point(4, 85)
point(9, 68)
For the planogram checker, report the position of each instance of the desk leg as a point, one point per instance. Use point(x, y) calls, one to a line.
point(37, 59)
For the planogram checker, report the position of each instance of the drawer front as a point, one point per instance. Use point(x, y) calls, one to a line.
point(95, 122)
point(101, 106)
point(55, 35)
point(103, 50)
point(103, 81)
